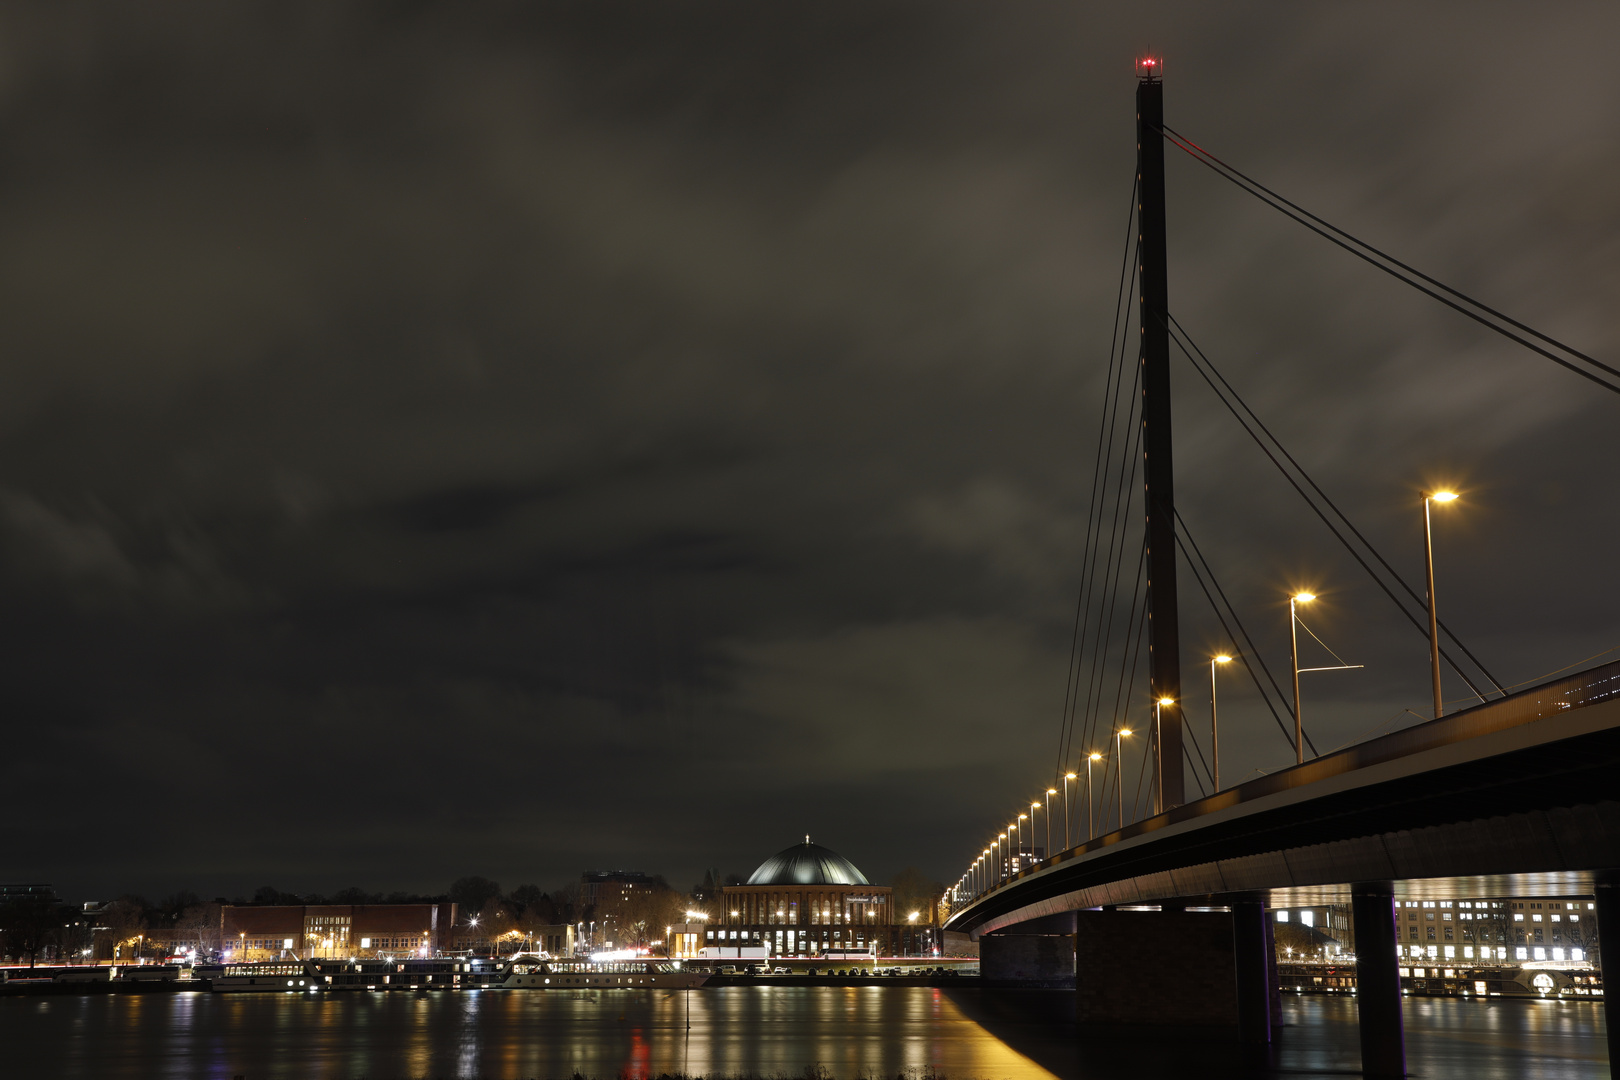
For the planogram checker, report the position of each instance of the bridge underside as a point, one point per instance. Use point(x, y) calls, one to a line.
point(1525, 810)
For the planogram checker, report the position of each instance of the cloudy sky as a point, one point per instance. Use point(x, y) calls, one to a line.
point(513, 438)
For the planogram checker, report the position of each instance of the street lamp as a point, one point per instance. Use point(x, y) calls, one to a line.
point(1091, 830)
point(1020, 824)
point(1068, 843)
point(1214, 730)
point(1119, 773)
point(1293, 646)
point(1434, 618)
point(1049, 793)
point(1035, 808)
point(1158, 757)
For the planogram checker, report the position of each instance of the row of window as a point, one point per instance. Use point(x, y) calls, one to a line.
point(1519, 953)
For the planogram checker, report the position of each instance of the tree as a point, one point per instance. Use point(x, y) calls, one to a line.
point(356, 895)
point(472, 893)
point(123, 921)
point(269, 894)
point(27, 923)
point(637, 916)
point(914, 891)
point(199, 927)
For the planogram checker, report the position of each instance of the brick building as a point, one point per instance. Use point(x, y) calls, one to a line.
point(271, 931)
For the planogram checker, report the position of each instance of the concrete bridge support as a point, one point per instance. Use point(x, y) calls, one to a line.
point(1378, 981)
point(1037, 953)
point(1607, 895)
point(1254, 967)
point(1120, 957)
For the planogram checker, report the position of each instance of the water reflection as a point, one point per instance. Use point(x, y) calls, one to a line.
point(850, 1031)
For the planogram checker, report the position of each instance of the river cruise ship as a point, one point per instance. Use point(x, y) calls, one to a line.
point(318, 976)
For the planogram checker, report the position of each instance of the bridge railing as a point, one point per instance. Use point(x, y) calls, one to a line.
point(1540, 702)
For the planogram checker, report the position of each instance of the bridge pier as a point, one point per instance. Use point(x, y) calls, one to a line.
point(1114, 948)
point(1607, 895)
point(1039, 953)
point(1378, 980)
point(1255, 983)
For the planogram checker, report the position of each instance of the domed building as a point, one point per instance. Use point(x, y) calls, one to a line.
point(806, 900)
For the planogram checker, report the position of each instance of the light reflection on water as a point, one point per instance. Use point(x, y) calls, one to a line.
point(850, 1031)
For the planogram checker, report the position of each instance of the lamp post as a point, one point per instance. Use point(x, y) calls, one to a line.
point(1049, 793)
point(1067, 842)
point(1035, 808)
point(996, 859)
point(1158, 758)
point(1020, 824)
point(1119, 773)
point(1434, 618)
point(1293, 651)
point(1214, 727)
point(1091, 830)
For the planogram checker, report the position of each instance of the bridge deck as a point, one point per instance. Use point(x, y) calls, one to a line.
point(1525, 785)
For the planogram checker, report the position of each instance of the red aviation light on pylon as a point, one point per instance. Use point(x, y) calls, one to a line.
point(1149, 68)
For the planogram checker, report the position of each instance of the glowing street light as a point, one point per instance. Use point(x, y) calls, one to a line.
point(1049, 793)
point(1293, 645)
point(1119, 772)
point(1020, 824)
point(1214, 728)
point(1091, 830)
point(1434, 617)
point(1068, 843)
point(1158, 756)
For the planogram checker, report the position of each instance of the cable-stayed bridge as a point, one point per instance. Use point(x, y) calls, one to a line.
point(1517, 794)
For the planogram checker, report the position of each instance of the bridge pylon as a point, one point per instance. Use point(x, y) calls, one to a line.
point(1164, 633)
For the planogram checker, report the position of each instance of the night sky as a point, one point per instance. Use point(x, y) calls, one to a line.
point(514, 438)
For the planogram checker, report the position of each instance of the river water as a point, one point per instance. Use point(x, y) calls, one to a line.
point(849, 1032)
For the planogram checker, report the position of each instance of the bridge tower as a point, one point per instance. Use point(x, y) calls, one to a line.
point(1164, 634)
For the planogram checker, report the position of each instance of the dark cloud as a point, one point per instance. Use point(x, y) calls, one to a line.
point(513, 438)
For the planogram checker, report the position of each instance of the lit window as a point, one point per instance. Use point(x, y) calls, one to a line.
point(1451, 952)
point(1577, 954)
point(1518, 918)
point(1282, 916)
point(1535, 918)
point(1541, 954)
point(1521, 954)
point(1558, 954)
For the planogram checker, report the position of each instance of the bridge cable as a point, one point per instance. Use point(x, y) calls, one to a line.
point(1115, 378)
point(1193, 738)
point(1098, 497)
point(1128, 685)
point(1133, 634)
point(1419, 600)
point(1249, 650)
point(1233, 176)
point(1102, 593)
point(1318, 510)
point(1200, 152)
point(1108, 604)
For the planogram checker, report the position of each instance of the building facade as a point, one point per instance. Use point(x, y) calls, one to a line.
point(1509, 931)
point(371, 931)
point(805, 901)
